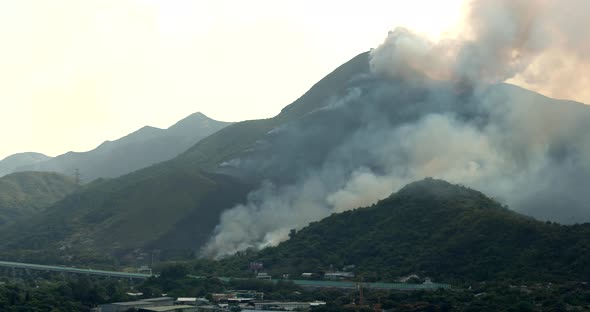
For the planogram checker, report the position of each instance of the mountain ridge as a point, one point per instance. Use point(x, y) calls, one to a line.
point(141, 148)
point(101, 196)
point(226, 170)
point(11, 162)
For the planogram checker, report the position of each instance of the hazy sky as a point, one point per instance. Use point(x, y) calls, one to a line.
point(74, 73)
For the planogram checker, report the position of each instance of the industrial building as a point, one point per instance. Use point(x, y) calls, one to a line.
point(288, 306)
point(174, 308)
point(140, 304)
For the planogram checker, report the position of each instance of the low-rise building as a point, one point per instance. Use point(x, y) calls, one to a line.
point(144, 303)
point(123, 306)
point(339, 275)
point(258, 295)
point(209, 308)
point(223, 297)
point(317, 303)
point(238, 300)
point(238, 296)
point(289, 306)
point(263, 276)
point(161, 301)
point(173, 308)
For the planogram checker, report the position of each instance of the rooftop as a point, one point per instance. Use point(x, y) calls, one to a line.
point(158, 299)
point(168, 308)
point(131, 303)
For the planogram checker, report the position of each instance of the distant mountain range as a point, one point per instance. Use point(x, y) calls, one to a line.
point(12, 162)
point(433, 229)
point(23, 194)
point(137, 150)
point(349, 141)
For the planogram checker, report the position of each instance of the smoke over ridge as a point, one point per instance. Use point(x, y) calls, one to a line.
point(428, 109)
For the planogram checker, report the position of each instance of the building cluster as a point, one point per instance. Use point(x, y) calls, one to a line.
point(160, 304)
point(346, 273)
point(254, 301)
point(227, 301)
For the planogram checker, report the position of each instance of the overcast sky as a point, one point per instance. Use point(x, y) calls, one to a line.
point(74, 73)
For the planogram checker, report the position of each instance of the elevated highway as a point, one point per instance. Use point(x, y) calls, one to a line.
point(40, 267)
point(302, 283)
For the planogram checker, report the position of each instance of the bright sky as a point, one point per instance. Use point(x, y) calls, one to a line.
point(75, 73)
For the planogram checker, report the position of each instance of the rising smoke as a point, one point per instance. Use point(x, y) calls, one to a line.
point(427, 109)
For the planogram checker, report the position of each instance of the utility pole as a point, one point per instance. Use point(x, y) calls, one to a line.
point(361, 297)
point(152, 263)
point(77, 176)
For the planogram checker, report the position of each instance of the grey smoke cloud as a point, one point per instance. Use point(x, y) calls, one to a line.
point(541, 44)
point(500, 39)
point(562, 69)
point(411, 118)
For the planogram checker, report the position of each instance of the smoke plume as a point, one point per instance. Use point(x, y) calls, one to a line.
point(429, 109)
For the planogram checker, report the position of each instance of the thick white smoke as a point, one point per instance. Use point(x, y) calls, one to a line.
point(500, 40)
point(562, 69)
point(505, 142)
point(541, 44)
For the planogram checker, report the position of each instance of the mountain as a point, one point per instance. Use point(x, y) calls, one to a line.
point(349, 141)
point(173, 205)
point(25, 193)
point(137, 150)
point(431, 228)
point(12, 162)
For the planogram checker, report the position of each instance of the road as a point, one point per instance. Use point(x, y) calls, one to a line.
point(40, 267)
point(349, 284)
point(302, 283)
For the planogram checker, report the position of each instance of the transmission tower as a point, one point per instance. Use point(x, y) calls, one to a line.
point(77, 176)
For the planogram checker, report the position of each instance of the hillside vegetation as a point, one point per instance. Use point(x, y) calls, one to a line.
point(431, 228)
point(348, 122)
point(26, 193)
point(172, 205)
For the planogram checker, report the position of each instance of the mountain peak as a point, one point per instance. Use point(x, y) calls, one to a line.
point(195, 121)
point(335, 82)
point(26, 156)
point(198, 116)
point(438, 229)
point(430, 189)
point(13, 162)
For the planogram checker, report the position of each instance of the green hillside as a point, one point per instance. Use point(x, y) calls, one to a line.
point(173, 205)
point(343, 124)
point(432, 228)
point(26, 193)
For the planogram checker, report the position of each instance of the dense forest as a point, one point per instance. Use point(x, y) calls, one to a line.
point(432, 228)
